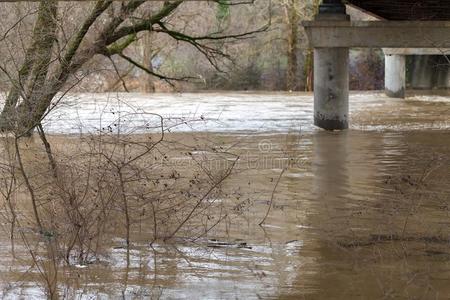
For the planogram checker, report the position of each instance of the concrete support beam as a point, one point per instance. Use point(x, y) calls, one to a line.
point(416, 51)
point(395, 76)
point(331, 85)
point(324, 33)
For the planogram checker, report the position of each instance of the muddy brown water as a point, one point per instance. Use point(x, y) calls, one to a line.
point(360, 214)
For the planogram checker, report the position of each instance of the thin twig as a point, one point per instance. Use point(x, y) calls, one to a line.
point(273, 195)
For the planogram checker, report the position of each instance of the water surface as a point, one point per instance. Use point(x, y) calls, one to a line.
point(359, 214)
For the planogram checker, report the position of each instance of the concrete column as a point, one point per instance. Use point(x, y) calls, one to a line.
point(331, 75)
point(395, 76)
point(331, 88)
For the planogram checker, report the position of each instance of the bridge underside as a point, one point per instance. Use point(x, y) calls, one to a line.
point(409, 30)
point(402, 10)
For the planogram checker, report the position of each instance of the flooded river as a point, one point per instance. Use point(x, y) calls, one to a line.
point(359, 214)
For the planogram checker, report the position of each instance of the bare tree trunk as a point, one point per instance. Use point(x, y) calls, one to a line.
point(34, 70)
point(147, 80)
point(309, 65)
point(292, 20)
point(308, 71)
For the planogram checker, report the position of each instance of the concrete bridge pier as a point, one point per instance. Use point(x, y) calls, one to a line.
point(426, 73)
point(395, 75)
point(331, 75)
point(331, 87)
point(331, 34)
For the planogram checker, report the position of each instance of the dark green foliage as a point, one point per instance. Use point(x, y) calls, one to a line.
point(223, 10)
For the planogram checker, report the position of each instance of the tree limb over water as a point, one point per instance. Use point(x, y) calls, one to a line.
point(57, 49)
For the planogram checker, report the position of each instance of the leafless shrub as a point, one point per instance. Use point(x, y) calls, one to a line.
point(73, 198)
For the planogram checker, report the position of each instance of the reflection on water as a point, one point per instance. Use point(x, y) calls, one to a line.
point(361, 214)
